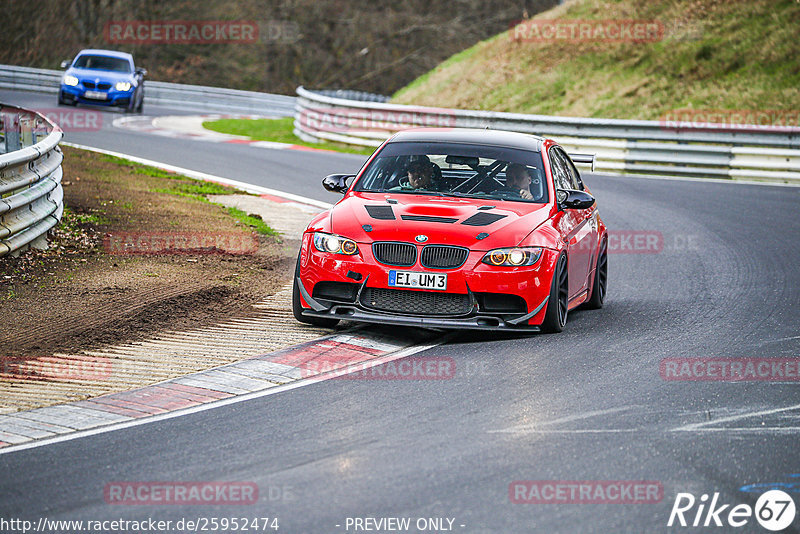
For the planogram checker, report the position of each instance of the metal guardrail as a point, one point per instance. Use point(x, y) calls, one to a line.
point(194, 97)
point(31, 197)
point(621, 146)
point(350, 94)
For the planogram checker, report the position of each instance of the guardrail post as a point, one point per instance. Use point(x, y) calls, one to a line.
point(26, 131)
point(11, 132)
point(30, 180)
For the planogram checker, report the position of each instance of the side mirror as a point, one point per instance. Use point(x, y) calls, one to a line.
point(572, 199)
point(141, 72)
point(337, 183)
point(65, 63)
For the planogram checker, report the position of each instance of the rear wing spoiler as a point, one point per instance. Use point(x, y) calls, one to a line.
point(583, 158)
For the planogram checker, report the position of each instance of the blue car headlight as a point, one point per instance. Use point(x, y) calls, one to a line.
point(123, 86)
point(70, 80)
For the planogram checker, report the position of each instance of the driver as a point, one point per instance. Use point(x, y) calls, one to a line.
point(420, 176)
point(518, 182)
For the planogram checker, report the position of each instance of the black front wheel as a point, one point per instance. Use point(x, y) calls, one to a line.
point(600, 284)
point(555, 318)
point(297, 307)
point(64, 102)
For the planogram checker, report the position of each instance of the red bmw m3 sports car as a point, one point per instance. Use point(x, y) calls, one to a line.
point(456, 228)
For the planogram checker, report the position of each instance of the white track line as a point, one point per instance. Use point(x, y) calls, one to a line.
point(693, 427)
point(534, 427)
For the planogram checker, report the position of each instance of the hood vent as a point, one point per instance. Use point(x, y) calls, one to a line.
point(428, 218)
point(483, 219)
point(383, 213)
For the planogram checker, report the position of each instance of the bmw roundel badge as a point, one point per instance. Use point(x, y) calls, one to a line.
point(421, 238)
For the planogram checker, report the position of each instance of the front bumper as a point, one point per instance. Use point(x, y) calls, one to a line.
point(476, 321)
point(474, 283)
point(77, 93)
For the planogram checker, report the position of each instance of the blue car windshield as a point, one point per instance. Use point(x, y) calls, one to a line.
point(458, 170)
point(115, 64)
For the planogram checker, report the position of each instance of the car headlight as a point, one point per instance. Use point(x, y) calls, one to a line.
point(513, 257)
point(122, 86)
point(334, 244)
point(70, 80)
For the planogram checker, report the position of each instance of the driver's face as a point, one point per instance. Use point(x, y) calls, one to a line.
point(419, 178)
point(519, 179)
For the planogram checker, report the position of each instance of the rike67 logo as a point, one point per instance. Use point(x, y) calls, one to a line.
point(774, 510)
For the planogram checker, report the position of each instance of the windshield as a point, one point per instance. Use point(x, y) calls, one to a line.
point(460, 170)
point(115, 64)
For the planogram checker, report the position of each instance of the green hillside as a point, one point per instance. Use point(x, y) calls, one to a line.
point(714, 54)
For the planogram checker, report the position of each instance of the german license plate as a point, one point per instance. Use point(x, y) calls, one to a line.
point(418, 280)
point(95, 95)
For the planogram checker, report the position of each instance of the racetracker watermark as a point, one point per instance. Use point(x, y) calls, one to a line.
point(410, 368)
point(635, 242)
point(180, 243)
point(342, 120)
point(731, 369)
point(585, 492)
point(577, 31)
point(649, 242)
point(71, 120)
point(180, 493)
point(52, 368)
point(140, 32)
point(734, 120)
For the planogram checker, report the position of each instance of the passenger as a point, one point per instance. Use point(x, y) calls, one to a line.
point(518, 182)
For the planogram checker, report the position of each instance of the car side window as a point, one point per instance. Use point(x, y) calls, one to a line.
point(560, 176)
point(572, 172)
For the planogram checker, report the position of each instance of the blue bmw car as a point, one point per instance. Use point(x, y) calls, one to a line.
point(103, 77)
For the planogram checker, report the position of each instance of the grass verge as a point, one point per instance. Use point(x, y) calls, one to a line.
point(196, 190)
point(714, 55)
point(276, 130)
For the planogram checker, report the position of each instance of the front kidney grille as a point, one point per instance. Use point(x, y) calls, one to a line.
point(415, 302)
point(443, 257)
point(398, 254)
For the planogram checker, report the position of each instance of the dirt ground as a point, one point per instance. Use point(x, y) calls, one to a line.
point(107, 278)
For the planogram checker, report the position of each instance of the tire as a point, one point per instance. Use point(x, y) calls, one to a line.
point(62, 102)
point(600, 284)
point(297, 307)
point(555, 318)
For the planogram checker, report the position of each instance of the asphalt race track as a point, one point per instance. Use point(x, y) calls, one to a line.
point(589, 404)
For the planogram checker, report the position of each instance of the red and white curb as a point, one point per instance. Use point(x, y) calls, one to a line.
point(318, 360)
point(191, 127)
